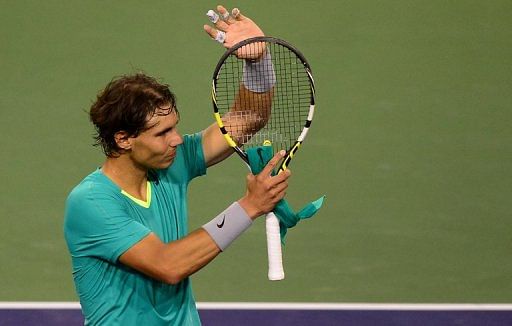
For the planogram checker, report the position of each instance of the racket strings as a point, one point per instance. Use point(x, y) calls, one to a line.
point(290, 99)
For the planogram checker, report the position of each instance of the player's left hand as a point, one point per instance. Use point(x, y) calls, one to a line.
point(233, 28)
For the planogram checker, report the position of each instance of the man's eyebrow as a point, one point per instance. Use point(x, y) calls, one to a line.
point(161, 132)
point(165, 130)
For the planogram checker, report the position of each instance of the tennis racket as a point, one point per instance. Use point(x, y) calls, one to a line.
point(274, 106)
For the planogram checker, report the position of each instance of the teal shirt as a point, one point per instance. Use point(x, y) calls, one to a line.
point(102, 222)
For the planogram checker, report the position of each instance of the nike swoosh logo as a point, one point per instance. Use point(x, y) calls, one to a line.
point(221, 224)
point(259, 150)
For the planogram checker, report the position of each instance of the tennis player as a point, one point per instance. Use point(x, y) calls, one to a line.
point(126, 223)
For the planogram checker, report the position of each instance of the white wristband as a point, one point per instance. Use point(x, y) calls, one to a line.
point(228, 225)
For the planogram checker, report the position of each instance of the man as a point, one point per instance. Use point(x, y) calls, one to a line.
point(126, 223)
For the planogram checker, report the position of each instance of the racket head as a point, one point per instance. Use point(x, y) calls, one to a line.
point(291, 99)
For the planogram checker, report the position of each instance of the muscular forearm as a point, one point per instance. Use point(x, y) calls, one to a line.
point(252, 106)
point(174, 261)
point(249, 114)
point(241, 122)
point(188, 255)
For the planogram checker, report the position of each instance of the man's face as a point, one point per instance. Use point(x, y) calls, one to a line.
point(155, 148)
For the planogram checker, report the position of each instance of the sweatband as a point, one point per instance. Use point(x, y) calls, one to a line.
point(259, 77)
point(228, 225)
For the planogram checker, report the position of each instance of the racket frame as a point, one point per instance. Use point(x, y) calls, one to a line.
point(276, 271)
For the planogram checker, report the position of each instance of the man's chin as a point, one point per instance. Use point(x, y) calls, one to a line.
point(165, 164)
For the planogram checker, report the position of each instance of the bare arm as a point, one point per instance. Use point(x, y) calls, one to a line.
point(251, 110)
point(172, 262)
point(249, 114)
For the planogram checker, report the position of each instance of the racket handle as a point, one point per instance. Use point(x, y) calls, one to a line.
point(275, 256)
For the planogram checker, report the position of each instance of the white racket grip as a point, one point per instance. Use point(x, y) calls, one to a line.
point(275, 256)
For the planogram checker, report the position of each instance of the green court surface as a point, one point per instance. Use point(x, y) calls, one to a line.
point(411, 143)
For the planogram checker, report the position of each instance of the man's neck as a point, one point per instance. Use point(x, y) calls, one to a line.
point(127, 175)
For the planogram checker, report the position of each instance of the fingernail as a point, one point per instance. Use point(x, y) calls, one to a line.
point(282, 152)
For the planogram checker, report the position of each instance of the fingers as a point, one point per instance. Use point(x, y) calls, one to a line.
point(212, 16)
point(210, 31)
point(227, 18)
point(223, 19)
point(216, 20)
point(283, 176)
point(278, 184)
point(215, 34)
point(279, 191)
point(224, 15)
point(237, 14)
point(263, 190)
point(277, 187)
point(267, 170)
point(236, 28)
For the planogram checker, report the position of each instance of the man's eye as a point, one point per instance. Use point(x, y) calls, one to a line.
point(163, 133)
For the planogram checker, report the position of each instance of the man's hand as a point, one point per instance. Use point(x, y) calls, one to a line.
point(232, 29)
point(264, 191)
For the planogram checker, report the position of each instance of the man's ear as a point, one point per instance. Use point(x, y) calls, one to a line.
point(122, 139)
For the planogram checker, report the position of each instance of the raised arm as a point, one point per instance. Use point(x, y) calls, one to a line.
point(249, 114)
point(251, 109)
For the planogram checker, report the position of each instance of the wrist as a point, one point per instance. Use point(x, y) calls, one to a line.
point(259, 75)
point(250, 209)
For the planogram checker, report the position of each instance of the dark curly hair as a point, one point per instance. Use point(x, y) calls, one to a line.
point(126, 104)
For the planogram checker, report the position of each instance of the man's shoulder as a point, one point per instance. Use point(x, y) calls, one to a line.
point(94, 184)
point(94, 194)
